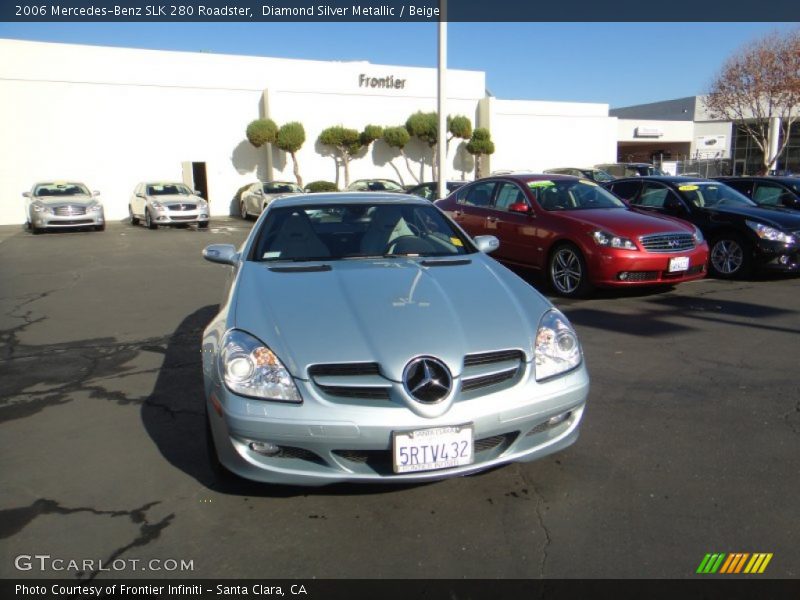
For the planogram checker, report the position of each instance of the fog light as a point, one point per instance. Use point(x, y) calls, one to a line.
point(558, 419)
point(622, 276)
point(264, 448)
point(784, 260)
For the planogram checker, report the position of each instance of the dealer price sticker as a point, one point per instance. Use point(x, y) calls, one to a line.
point(679, 263)
point(431, 449)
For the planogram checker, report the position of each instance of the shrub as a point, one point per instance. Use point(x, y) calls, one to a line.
point(321, 186)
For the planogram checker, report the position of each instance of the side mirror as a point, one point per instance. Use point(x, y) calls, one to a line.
point(520, 207)
point(141, 195)
point(486, 243)
point(197, 193)
point(95, 193)
point(259, 192)
point(223, 254)
point(26, 194)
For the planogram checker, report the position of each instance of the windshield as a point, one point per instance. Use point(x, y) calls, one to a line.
point(168, 189)
point(61, 189)
point(353, 231)
point(572, 194)
point(598, 175)
point(376, 185)
point(282, 188)
point(708, 195)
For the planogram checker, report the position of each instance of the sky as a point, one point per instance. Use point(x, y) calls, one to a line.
point(619, 64)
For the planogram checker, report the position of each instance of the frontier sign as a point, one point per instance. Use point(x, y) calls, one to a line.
point(389, 82)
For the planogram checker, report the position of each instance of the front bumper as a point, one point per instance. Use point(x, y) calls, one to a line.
point(45, 220)
point(625, 268)
point(324, 442)
point(177, 217)
point(775, 256)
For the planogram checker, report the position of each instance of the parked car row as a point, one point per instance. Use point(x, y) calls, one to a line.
point(742, 235)
point(70, 205)
point(577, 233)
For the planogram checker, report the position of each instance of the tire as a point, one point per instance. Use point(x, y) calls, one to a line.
point(148, 220)
point(36, 230)
point(134, 219)
point(243, 211)
point(202, 225)
point(730, 257)
point(567, 272)
point(100, 227)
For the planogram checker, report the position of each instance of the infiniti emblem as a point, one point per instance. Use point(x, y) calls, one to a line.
point(427, 380)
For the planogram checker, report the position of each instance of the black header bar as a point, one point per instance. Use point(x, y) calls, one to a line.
point(397, 11)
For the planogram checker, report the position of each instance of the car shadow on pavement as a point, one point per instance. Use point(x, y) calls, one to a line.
point(174, 418)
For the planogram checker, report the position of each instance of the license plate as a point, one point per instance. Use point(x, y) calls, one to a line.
point(431, 449)
point(679, 263)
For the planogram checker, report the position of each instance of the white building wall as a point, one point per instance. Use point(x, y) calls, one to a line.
point(534, 136)
point(112, 117)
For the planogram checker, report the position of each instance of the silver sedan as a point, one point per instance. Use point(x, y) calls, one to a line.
point(167, 203)
point(62, 205)
point(256, 197)
point(366, 338)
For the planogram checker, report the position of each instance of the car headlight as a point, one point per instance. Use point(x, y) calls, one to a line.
point(38, 207)
point(251, 369)
point(157, 205)
point(609, 240)
point(556, 349)
point(95, 208)
point(770, 233)
point(698, 236)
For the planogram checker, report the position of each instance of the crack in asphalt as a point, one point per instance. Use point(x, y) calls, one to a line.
point(540, 501)
point(14, 520)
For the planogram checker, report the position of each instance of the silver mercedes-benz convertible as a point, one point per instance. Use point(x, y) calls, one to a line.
point(366, 338)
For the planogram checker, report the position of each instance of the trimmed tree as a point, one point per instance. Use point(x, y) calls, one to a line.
point(458, 127)
point(480, 144)
point(397, 138)
point(347, 142)
point(290, 139)
point(758, 85)
point(425, 127)
point(261, 131)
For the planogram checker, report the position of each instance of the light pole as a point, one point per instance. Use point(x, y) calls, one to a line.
point(441, 157)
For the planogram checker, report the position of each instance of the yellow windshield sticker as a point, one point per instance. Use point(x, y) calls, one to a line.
point(688, 188)
point(587, 182)
point(538, 184)
point(456, 241)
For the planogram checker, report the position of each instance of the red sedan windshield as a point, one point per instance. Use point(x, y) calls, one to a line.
point(572, 195)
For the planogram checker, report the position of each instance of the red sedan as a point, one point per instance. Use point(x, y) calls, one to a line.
point(581, 235)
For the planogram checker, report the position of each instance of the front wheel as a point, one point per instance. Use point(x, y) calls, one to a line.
point(567, 272)
point(202, 225)
point(243, 211)
point(100, 227)
point(148, 220)
point(730, 257)
point(134, 219)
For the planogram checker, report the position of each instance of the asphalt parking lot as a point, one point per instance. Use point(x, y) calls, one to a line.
point(690, 440)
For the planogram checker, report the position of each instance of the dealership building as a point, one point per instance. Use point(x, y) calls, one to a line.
point(113, 117)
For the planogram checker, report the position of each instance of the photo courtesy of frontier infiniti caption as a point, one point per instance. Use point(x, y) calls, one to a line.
point(364, 337)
